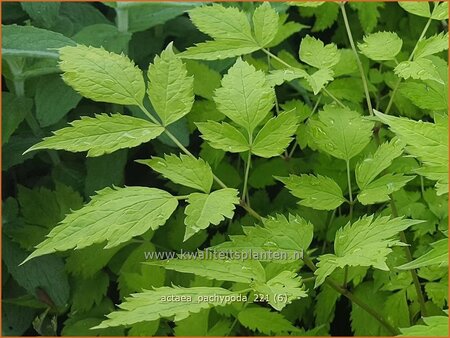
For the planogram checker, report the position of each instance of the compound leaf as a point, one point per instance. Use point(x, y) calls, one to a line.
point(184, 170)
point(113, 216)
point(317, 192)
point(381, 46)
point(379, 190)
point(171, 90)
point(420, 69)
point(167, 302)
point(432, 45)
point(316, 54)
point(374, 164)
point(245, 96)
point(341, 132)
point(102, 76)
point(275, 135)
point(223, 136)
point(102, 134)
point(205, 209)
point(366, 242)
point(265, 24)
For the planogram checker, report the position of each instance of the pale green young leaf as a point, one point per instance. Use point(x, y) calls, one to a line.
point(434, 44)
point(205, 209)
point(421, 8)
point(275, 135)
point(316, 54)
point(366, 242)
point(166, 302)
point(288, 236)
point(438, 255)
point(340, 132)
point(282, 289)
point(245, 96)
point(440, 11)
point(425, 94)
point(319, 79)
point(263, 320)
point(223, 136)
point(221, 22)
point(171, 90)
point(379, 190)
point(113, 216)
point(219, 49)
point(185, 170)
point(375, 163)
point(435, 326)
point(102, 76)
point(265, 24)
point(279, 76)
point(29, 41)
point(426, 141)
point(381, 46)
point(102, 134)
point(239, 271)
point(317, 192)
point(420, 69)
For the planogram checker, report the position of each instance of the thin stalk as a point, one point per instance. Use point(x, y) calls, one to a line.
point(414, 276)
point(394, 91)
point(350, 193)
point(358, 61)
point(346, 293)
point(247, 171)
point(289, 66)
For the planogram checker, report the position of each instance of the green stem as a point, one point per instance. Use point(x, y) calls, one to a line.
point(394, 91)
point(350, 193)
point(358, 61)
point(292, 67)
point(247, 171)
point(414, 276)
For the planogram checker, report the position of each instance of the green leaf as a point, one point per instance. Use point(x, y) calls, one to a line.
point(245, 96)
point(416, 8)
point(102, 76)
point(239, 271)
point(184, 170)
point(223, 136)
point(316, 54)
point(44, 14)
point(29, 41)
point(425, 95)
point(341, 132)
point(205, 209)
point(14, 111)
point(379, 190)
point(279, 76)
point(45, 273)
point(167, 302)
point(317, 192)
point(206, 80)
point(171, 90)
point(285, 30)
point(113, 216)
point(366, 242)
point(290, 235)
point(89, 292)
point(265, 321)
point(265, 24)
point(368, 14)
point(325, 15)
point(275, 135)
point(221, 22)
point(219, 49)
point(440, 11)
point(54, 99)
point(381, 46)
point(434, 326)
point(420, 69)
point(282, 289)
point(426, 141)
point(102, 134)
point(319, 79)
point(103, 35)
point(438, 255)
point(434, 44)
point(374, 164)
